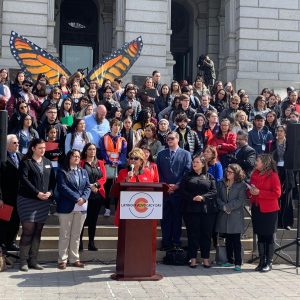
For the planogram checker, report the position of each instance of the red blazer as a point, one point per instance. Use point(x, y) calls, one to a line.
point(146, 176)
point(102, 180)
point(228, 143)
point(154, 171)
point(269, 191)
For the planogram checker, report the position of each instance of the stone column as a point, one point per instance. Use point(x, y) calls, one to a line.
point(230, 40)
point(120, 17)
point(169, 57)
point(50, 29)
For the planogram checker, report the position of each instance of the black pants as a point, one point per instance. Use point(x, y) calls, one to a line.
point(234, 248)
point(268, 239)
point(199, 231)
point(107, 186)
point(9, 230)
point(93, 209)
point(285, 215)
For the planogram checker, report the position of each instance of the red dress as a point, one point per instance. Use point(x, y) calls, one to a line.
point(269, 191)
point(144, 176)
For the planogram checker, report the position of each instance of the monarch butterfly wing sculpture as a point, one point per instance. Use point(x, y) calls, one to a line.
point(117, 64)
point(33, 60)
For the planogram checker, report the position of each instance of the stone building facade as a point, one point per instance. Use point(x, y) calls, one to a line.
point(254, 43)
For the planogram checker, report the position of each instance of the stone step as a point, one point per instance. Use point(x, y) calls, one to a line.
point(110, 242)
point(108, 256)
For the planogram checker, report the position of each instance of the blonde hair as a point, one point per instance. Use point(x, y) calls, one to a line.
point(138, 152)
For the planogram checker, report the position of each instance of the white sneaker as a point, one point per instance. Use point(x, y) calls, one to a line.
point(107, 213)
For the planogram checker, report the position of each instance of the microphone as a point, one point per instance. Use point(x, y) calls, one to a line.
point(131, 167)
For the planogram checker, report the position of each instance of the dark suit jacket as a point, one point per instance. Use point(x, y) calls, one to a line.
point(246, 159)
point(32, 181)
point(69, 191)
point(172, 171)
point(9, 180)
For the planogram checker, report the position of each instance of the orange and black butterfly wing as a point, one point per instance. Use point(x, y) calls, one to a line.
point(33, 60)
point(117, 64)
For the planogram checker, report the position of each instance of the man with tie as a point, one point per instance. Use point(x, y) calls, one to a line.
point(9, 184)
point(172, 163)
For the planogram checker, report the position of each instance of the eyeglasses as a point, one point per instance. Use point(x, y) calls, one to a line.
point(75, 156)
point(134, 158)
point(235, 103)
point(229, 171)
point(27, 85)
point(15, 143)
point(56, 93)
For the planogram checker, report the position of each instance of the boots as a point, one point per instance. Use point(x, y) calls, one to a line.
point(91, 246)
point(33, 254)
point(269, 257)
point(262, 256)
point(24, 254)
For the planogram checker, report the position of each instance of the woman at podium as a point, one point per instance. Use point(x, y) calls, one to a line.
point(136, 172)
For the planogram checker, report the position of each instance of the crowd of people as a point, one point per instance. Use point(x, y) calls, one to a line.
point(69, 143)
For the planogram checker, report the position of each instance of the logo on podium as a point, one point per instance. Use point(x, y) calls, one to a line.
point(141, 205)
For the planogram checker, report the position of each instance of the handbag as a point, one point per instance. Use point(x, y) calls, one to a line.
point(175, 257)
point(5, 212)
point(111, 172)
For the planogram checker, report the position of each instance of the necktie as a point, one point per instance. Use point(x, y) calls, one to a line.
point(15, 159)
point(172, 154)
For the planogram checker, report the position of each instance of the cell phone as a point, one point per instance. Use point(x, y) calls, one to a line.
point(248, 186)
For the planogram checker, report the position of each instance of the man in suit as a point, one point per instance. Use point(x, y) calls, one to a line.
point(172, 164)
point(245, 155)
point(9, 184)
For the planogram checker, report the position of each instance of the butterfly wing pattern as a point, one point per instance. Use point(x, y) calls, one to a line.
point(117, 64)
point(33, 60)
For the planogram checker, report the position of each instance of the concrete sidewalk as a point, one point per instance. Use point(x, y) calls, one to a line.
point(93, 282)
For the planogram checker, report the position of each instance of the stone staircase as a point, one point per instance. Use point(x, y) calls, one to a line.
point(107, 235)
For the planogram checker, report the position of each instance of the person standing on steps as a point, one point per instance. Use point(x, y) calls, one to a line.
point(37, 183)
point(264, 191)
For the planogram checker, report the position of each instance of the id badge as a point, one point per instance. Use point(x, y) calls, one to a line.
point(114, 155)
point(263, 147)
point(24, 150)
point(54, 163)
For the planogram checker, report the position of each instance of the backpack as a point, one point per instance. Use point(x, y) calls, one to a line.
point(176, 257)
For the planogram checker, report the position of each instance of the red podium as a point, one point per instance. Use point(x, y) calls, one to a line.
point(136, 253)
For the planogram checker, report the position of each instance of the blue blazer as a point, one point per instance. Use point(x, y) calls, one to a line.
point(69, 191)
point(172, 171)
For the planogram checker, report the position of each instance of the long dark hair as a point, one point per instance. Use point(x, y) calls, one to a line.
point(66, 165)
point(62, 110)
point(33, 143)
point(73, 131)
point(22, 120)
point(84, 151)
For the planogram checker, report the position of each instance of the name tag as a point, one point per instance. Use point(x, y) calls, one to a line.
point(114, 155)
point(263, 147)
point(47, 166)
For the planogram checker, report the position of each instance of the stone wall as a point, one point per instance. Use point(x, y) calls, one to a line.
point(149, 18)
point(268, 44)
point(26, 19)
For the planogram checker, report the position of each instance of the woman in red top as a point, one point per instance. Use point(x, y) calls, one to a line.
point(139, 173)
point(225, 142)
point(149, 163)
point(264, 193)
point(97, 176)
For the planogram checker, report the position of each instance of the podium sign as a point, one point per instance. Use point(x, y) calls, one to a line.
point(142, 205)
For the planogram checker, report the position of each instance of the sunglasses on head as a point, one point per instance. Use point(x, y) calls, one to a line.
point(134, 158)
